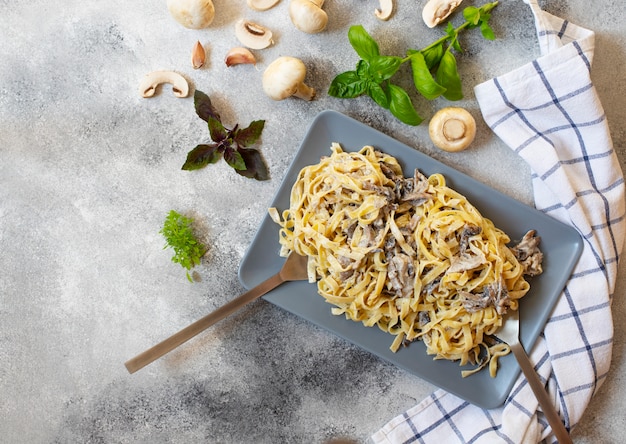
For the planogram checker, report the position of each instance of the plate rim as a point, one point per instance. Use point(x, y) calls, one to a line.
point(530, 331)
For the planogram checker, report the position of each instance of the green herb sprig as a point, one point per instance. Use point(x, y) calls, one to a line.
point(233, 145)
point(178, 233)
point(434, 68)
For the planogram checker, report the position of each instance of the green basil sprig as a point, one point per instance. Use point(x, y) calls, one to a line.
point(434, 68)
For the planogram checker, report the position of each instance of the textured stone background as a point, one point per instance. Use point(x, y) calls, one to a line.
point(89, 169)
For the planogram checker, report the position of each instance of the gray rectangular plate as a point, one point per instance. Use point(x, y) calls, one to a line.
point(561, 245)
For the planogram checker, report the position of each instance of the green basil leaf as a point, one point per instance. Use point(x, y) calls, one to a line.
point(248, 136)
point(423, 79)
point(485, 15)
point(432, 55)
point(347, 85)
point(376, 92)
point(363, 69)
point(217, 130)
point(201, 156)
point(204, 107)
point(448, 76)
point(383, 67)
point(452, 33)
point(364, 45)
point(472, 15)
point(255, 165)
point(486, 31)
point(456, 45)
point(234, 159)
point(400, 106)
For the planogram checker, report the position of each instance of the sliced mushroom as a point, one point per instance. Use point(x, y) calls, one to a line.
point(262, 5)
point(252, 34)
point(452, 129)
point(308, 15)
point(385, 10)
point(150, 82)
point(239, 55)
point(436, 11)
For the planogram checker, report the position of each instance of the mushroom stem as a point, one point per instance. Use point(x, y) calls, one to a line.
point(453, 129)
point(305, 92)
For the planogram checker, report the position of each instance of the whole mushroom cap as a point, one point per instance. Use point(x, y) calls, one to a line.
point(192, 14)
point(284, 77)
point(308, 15)
point(452, 129)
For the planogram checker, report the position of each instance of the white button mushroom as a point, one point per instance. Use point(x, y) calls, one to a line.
point(192, 14)
point(436, 11)
point(262, 5)
point(308, 15)
point(452, 129)
point(284, 77)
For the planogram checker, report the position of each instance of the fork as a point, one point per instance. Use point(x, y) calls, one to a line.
point(294, 269)
point(509, 333)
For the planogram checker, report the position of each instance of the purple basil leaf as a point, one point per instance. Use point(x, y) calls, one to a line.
point(248, 136)
point(255, 165)
point(234, 159)
point(204, 107)
point(201, 156)
point(217, 130)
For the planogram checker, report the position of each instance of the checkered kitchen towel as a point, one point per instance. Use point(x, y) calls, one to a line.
point(549, 113)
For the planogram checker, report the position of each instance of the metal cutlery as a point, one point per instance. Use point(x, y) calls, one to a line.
point(509, 333)
point(294, 269)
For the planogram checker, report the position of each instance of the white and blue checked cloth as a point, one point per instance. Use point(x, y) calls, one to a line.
point(548, 112)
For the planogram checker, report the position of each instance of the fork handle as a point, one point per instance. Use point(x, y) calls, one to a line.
point(169, 344)
point(542, 395)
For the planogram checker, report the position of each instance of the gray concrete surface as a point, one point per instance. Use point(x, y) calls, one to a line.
point(89, 169)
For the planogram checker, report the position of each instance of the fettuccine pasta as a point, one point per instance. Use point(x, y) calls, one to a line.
point(409, 255)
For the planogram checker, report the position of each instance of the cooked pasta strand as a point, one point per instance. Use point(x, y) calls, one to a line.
point(409, 255)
